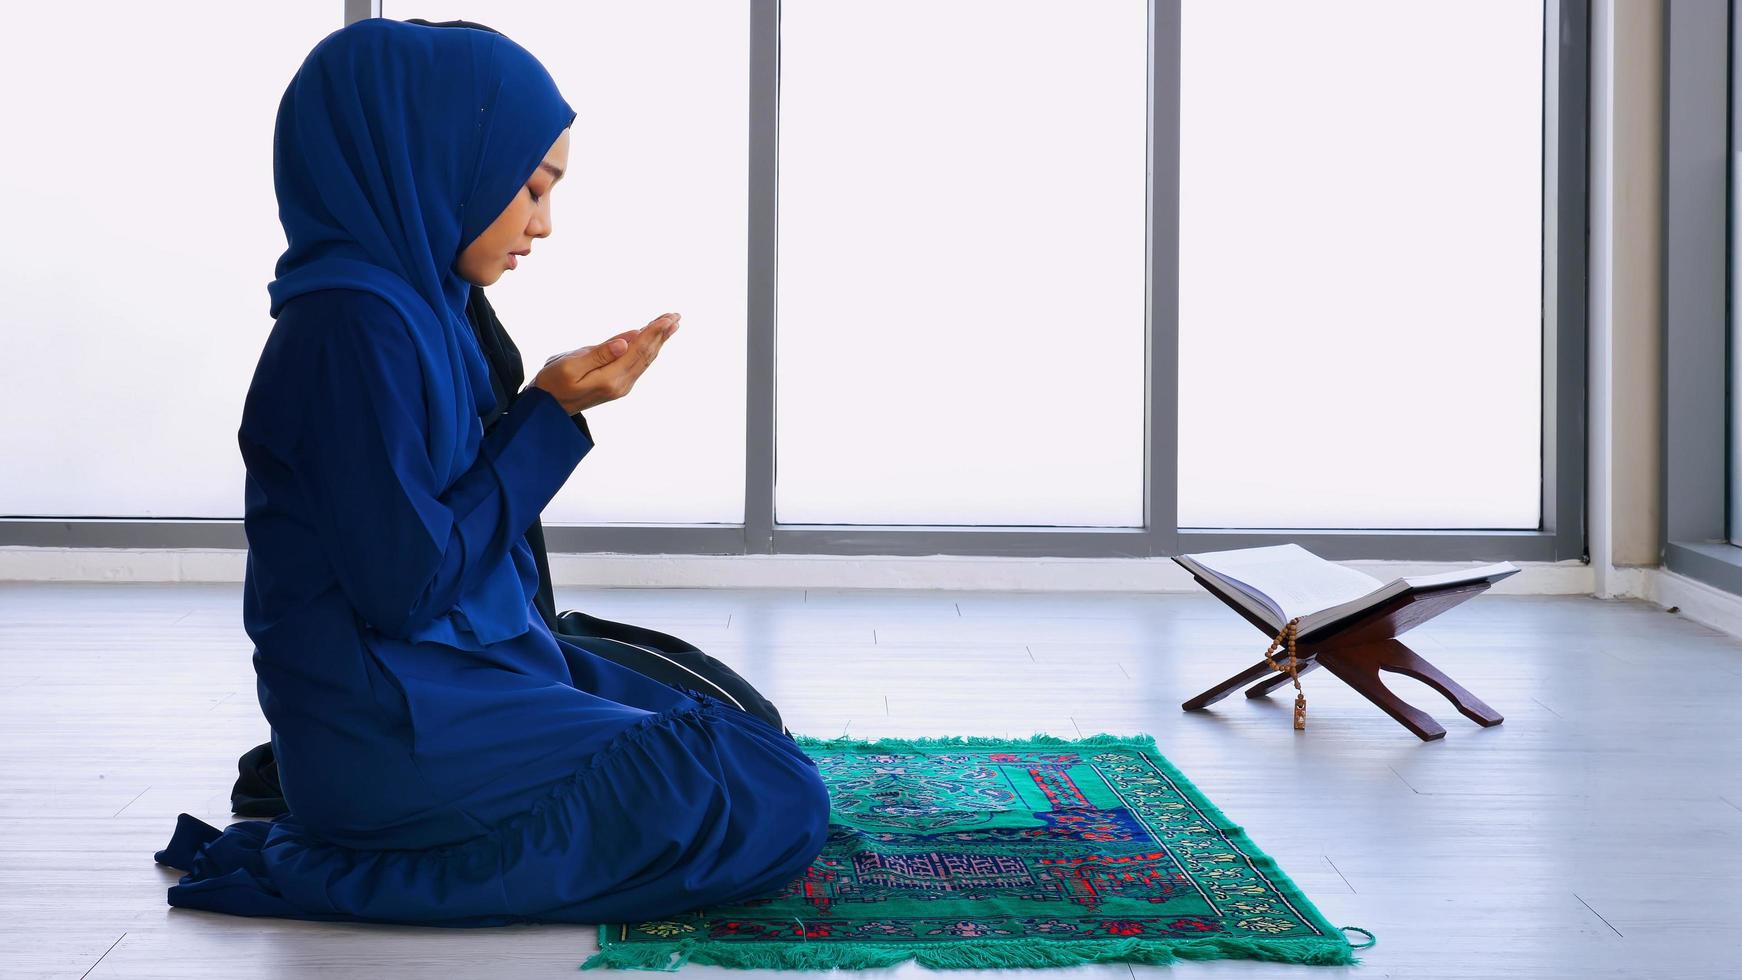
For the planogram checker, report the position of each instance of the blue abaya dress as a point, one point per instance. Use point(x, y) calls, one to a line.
point(434, 776)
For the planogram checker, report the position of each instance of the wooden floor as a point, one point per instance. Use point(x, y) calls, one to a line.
point(1597, 833)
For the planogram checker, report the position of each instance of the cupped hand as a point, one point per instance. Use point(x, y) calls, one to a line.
point(598, 373)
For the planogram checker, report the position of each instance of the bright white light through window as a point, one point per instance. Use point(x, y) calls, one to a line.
point(141, 233)
point(960, 309)
point(651, 217)
point(1361, 264)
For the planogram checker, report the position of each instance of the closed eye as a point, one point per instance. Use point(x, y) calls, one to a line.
point(535, 195)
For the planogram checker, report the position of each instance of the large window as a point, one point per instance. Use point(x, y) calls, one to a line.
point(1702, 496)
point(650, 218)
point(961, 265)
point(141, 231)
point(1360, 271)
point(958, 276)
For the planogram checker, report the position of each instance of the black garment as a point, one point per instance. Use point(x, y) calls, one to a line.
point(664, 657)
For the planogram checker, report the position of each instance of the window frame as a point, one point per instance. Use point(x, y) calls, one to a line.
point(1698, 327)
point(1559, 536)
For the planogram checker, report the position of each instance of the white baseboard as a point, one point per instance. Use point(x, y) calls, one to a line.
point(1696, 600)
point(19, 563)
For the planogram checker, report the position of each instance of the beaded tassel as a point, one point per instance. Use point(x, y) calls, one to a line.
point(1286, 639)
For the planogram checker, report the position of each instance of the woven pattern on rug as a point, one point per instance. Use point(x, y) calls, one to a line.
point(978, 852)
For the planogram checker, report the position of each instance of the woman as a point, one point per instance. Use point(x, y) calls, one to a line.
point(446, 759)
point(257, 791)
point(662, 656)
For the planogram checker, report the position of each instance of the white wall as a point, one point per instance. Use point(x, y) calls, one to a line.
point(1626, 327)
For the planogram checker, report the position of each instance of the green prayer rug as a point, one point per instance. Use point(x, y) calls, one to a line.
point(979, 852)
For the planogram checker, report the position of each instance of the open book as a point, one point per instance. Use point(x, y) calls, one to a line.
point(1278, 583)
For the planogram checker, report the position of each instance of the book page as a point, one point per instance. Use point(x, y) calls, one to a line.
point(1296, 580)
point(1460, 575)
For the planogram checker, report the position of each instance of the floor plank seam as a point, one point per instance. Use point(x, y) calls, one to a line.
point(130, 802)
point(1340, 873)
point(106, 952)
point(1599, 915)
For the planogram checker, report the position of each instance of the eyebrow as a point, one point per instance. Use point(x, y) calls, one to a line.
point(553, 168)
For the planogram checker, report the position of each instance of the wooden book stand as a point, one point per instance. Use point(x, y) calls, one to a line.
point(1357, 649)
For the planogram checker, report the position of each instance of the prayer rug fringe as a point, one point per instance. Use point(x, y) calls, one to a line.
point(965, 954)
point(948, 741)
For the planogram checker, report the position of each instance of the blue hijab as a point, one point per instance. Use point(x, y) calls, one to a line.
point(396, 145)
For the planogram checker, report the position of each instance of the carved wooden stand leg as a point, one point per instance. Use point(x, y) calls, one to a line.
point(1264, 687)
point(1229, 686)
point(1394, 656)
point(1360, 666)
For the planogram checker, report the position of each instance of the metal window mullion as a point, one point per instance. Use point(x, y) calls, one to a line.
point(1161, 386)
point(1696, 41)
point(1566, 101)
point(764, 227)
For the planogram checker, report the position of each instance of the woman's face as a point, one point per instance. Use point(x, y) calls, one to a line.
point(526, 217)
